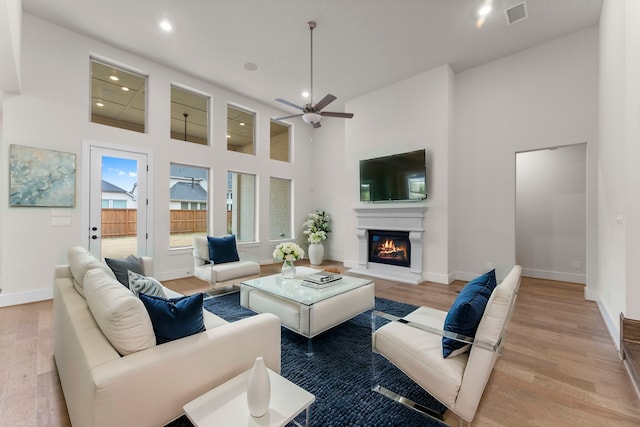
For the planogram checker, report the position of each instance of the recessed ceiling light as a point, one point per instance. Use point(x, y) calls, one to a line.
point(99, 104)
point(114, 78)
point(484, 10)
point(228, 136)
point(305, 94)
point(166, 25)
point(250, 66)
point(124, 88)
point(242, 123)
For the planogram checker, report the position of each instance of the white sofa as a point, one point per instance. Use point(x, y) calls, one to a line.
point(220, 274)
point(147, 387)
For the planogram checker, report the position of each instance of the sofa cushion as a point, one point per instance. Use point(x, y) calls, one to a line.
point(229, 271)
point(120, 268)
point(176, 317)
point(140, 284)
point(121, 316)
point(466, 312)
point(223, 249)
point(201, 248)
point(81, 261)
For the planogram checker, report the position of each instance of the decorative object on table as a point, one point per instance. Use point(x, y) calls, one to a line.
point(258, 389)
point(316, 230)
point(42, 178)
point(320, 279)
point(288, 252)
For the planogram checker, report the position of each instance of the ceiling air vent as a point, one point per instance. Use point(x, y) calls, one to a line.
point(516, 13)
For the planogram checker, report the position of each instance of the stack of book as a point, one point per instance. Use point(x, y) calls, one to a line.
point(320, 279)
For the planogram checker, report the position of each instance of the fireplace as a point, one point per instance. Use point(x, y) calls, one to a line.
point(404, 225)
point(390, 247)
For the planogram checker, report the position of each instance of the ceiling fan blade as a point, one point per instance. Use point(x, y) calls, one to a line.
point(316, 125)
point(333, 114)
point(328, 99)
point(287, 117)
point(290, 104)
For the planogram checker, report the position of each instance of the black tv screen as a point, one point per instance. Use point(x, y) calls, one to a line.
point(395, 177)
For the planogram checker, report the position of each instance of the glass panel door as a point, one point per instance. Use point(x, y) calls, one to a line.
point(118, 203)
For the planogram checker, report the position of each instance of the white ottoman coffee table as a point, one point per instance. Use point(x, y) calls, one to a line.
point(304, 310)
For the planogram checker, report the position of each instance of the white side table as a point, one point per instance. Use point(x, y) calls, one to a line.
point(226, 405)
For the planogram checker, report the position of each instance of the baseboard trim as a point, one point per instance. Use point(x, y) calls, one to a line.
point(19, 298)
point(611, 323)
point(555, 275)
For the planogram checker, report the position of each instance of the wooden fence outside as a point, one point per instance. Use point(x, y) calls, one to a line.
point(188, 221)
point(119, 222)
point(122, 222)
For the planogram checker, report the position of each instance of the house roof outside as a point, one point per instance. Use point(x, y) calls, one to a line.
point(184, 191)
point(108, 187)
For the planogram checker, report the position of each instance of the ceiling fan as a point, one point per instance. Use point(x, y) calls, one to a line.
point(312, 113)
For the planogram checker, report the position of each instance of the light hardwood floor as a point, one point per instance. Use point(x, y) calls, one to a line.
point(559, 366)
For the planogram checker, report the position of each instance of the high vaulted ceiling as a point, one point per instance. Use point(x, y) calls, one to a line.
point(359, 45)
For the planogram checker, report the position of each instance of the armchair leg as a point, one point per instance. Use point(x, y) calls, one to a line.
point(407, 402)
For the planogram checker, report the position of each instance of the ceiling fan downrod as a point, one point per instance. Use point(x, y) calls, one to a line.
point(311, 25)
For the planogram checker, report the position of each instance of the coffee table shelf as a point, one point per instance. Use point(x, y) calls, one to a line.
point(226, 405)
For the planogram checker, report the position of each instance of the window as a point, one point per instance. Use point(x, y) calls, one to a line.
point(117, 97)
point(113, 204)
point(189, 116)
point(240, 125)
point(279, 142)
point(188, 196)
point(241, 206)
point(279, 208)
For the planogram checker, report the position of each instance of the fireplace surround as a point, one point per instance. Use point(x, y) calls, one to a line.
point(407, 219)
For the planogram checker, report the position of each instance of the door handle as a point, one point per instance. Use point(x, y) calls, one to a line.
point(94, 237)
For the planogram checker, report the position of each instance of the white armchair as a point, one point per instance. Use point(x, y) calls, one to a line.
point(414, 345)
point(224, 274)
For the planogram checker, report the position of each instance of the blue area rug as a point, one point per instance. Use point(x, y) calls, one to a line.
point(339, 371)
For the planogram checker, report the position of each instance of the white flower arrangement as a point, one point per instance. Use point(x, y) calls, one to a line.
point(288, 251)
point(317, 226)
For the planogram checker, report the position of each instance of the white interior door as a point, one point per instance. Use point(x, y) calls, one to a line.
point(118, 203)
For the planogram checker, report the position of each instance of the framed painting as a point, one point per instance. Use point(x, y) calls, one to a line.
point(40, 177)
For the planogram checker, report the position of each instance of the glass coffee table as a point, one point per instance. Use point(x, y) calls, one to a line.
point(226, 405)
point(304, 310)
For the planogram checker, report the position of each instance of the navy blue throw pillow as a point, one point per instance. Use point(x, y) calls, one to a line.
point(466, 312)
point(176, 317)
point(223, 249)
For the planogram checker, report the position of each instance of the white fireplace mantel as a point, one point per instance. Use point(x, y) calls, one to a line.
point(401, 218)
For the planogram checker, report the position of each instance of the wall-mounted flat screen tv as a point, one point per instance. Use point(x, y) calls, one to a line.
point(398, 177)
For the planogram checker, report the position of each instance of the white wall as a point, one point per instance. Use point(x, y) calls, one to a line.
point(541, 97)
point(10, 34)
point(551, 219)
point(619, 175)
point(52, 111)
point(409, 115)
point(328, 186)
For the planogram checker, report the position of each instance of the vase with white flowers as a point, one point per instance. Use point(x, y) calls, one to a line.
point(288, 252)
point(316, 230)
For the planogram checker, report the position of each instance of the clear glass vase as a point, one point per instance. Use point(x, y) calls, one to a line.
point(288, 270)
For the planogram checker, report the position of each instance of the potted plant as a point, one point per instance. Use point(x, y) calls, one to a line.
point(316, 230)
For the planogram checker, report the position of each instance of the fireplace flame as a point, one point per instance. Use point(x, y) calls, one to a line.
point(389, 248)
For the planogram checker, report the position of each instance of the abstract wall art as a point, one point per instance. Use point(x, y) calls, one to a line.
point(40, 177)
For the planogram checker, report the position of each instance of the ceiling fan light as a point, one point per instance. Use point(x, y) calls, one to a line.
point(311, 117)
